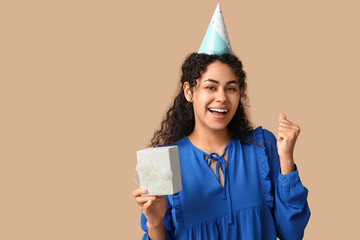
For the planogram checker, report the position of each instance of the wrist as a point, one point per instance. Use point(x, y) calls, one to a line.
point(156, 231)
point(287, 166)
point(286, 156)
point(155, 226)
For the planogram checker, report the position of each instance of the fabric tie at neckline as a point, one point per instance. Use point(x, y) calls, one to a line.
point(221, 163)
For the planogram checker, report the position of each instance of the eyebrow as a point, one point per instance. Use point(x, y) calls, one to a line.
point(217, 82)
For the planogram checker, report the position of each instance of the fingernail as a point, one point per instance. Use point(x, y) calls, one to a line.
point(143, 190)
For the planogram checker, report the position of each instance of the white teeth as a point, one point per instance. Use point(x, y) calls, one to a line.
point(218, 110)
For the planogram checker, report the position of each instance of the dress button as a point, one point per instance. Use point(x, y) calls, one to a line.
point(285, 180)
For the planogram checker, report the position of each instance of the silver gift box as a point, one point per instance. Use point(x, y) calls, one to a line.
point(159, 170)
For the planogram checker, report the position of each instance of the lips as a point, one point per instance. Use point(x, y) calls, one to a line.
point(218, 113)
point(218, 110)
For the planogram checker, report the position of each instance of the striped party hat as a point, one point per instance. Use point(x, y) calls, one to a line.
point(216, 40)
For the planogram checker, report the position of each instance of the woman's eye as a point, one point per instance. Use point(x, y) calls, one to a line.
point(210, 88)
point(231, 89)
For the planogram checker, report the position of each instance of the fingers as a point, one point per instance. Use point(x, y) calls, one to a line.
point(289, 127)
point(286, 133)
point(138, 198)
point(286, 125)
point(137, 192)
point(287, 130)
point(146, 205)
point(282, 116)
point(145, 202)
point(142, 201)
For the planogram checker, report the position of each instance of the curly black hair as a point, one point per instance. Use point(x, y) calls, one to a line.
point(179, 120)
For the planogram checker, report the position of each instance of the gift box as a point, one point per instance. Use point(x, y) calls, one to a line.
point(159, 170)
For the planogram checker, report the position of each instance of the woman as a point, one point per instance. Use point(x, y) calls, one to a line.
point(236, 185)
point(237, 182)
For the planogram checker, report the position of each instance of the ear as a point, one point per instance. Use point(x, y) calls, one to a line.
point(187, 91)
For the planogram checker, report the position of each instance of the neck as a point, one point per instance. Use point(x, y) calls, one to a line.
point(210, 140)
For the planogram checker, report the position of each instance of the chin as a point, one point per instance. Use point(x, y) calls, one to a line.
point(218, 127)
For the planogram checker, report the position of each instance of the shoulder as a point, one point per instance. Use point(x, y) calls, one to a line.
point(269, 136)
point(261, 135)
point(264, 138)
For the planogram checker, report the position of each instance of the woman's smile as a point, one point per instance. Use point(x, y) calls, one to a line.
point(218, 113)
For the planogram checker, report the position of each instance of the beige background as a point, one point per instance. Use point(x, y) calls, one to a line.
point(84, 84)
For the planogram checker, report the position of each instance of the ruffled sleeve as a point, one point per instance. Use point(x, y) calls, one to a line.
point(265, 170)
point(168, 223)
point(291, 211)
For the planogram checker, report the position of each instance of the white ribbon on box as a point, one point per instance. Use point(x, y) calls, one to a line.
point(157, 180)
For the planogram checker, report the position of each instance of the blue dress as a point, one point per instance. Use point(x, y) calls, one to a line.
point(256, 202)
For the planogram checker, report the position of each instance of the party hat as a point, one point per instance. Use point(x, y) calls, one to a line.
point(216, 40)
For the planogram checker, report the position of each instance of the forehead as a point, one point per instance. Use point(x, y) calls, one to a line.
point(218, 71)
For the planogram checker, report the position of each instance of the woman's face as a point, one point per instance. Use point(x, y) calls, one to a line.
point(215, 97)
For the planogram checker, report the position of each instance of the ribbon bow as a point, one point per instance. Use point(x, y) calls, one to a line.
point(221, 164)
point(155, 178)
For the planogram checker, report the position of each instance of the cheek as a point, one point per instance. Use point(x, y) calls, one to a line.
point(201, 106)
point(236, 103)
point(203, 99)
point(235, 99)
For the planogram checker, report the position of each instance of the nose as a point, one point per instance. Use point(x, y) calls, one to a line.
point(221, 96)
